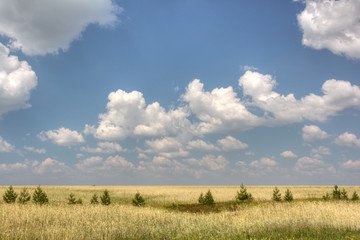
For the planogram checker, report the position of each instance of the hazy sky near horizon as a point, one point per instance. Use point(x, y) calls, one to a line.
point(179, 92)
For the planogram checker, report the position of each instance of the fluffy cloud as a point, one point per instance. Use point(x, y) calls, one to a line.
point(263, 163)
point(5, 146)
point(62, 136)
point(35, 150)
point(209, 161)
point(42, 26)
point(312, 166)
point(128, 115)
point(104, 147)
point(280, 109)
point(331, 24)
point(348, 140)
point(288, 154)
point(17, 79)
point(319, 152)
point(50, 166)
point(351, 165)
point(201, 145)
point(312, 133)
point(112, 163)
point(230, 143)
point(12, 167)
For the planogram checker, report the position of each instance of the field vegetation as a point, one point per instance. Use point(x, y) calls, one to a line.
point(174, 212)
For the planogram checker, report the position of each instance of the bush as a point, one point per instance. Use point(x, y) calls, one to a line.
point(94, 199)
point(72, 199)
point(243, 195)
point(336, 194)
point(138, 200)
point(276, 195)
point(24, 196)
point(207, 199)
point(10, 195)
point(326, 197)
point(288, 196)
point(39, 196)
point(343, 194)
point(355, 196)
point(105, 198)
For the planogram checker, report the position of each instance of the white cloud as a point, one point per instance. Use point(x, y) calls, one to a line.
point(90, 164)
point(12, 167)
point(117, 162)
point(313, 166)
point(5, 146)
point(97, 163)
point(263, 163)
point(312, 133)
point(351, 165)
point(320, 151)
point(209, 161)
point(288, 154)
point(62, 136)
point(230, 143)
point(331, 24)
point(104, 147)
point(35, 150)
point(164, 145)
point(128, 115)
point(348, 140)
point(249, 153)
point(201, 145)
point(50, 166)
point(42, 26)
point(17, 79)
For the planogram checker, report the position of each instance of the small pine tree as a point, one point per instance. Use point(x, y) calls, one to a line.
point(336, 194)
point(94, 199)
point(39, 196)
point(243, 195)
point(355, 196)
point(207, 199)
point(276, 195)
point(326, 197)
point(288, 196)
point(343, 194)
point(105, 198)
point(24, 196)
point(71, 199)
point(10, 195)
point(138, 200)
point(79, 201)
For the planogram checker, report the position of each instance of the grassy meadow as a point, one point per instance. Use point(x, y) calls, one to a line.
point(172, 212)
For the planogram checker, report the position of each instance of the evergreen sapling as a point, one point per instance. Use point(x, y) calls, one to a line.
point(10, 195)
point(24, 196)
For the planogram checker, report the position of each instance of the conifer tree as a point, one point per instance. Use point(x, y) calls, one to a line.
point(105, 198)
point(39, 196)
point(355, 196)
point(207, 199)
point(343, 194)
point(94, 199)
point(288, 196)
point(138, 200)
point(243, 195)
point(24, 196)
point(71, 199)
point(336, 194)
point(10, 195)
point(276, 195)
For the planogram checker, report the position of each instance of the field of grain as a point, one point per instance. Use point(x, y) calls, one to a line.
point(307, 217)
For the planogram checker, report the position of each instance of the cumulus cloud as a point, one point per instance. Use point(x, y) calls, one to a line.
point(332, 24)
point(35, 150)
point(12, 167)
point(5, 146)
point(230, 143)
point(312, 133)
point(348, 140)
point(17, 80)
point(320, 151)
point(312, 166)
point(50, 165)
point(104, 147)
point(97, 163)
point(201, 145)
point(351, 165)
point(62, 136)
point(210, 162)
point(42, 26)
point(128, 115)
point(263, 163)
point(288, 154)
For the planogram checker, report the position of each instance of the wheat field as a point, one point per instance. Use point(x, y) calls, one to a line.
point(308, 217)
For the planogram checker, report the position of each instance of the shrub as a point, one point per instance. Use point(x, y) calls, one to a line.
point(39, 196)
point(276, 195)
point(138, 200)
point(10, 195)
point(24, 196)
point(343, 194)
point(288, 196)
point(94, 199)
point(355, 196)
point(326, 197)
point(72, 199)
point(243, 195)
point(336, 194)
point(207, 199)
point(105, 198)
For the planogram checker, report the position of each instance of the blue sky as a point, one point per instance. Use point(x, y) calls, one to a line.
point(180, 92)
